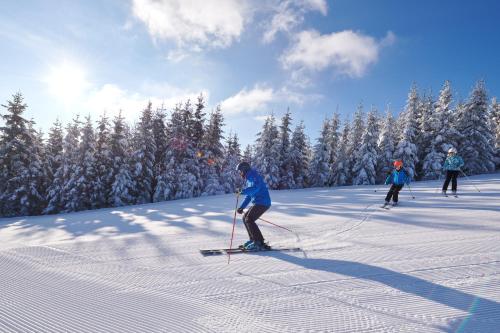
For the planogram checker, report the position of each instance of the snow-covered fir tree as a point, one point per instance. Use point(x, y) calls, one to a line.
point(56, 160)
point(356, 135)
point(144, 157)
point(80, 194)
point(91, 181)
point(103, 164)
point(446, 119)
point(54, 150)
point(299, 156)
point(424, 135)
point(191, 168)
point(286, 180)
point(319, 168)
point(160, 138)
point(214, 151)
point(433, 164)
point(34, 180)
point(197, 134)
point(267, 153)
point(42, 179)
point(167, 181)
point(343, 173)
point(71, 170)
point(15, 152)
point(182, 164)
point(230, 178)
point(122, 183)
point(365, 168)
point(199, 122)
point(474, 124)
point(406, 149)
point(386, 147)
point(333, 141)
point(439, 135)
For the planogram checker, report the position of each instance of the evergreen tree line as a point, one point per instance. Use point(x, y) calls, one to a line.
point(110, 164)
point(362, 151)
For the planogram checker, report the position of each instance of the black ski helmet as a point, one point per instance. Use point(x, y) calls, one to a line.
point(243, 167)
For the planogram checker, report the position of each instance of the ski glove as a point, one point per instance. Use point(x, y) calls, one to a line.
point(240, 210)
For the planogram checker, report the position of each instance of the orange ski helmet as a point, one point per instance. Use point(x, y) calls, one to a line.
point(398, 163)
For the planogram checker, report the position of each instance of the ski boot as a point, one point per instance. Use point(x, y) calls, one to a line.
point(385, 204)
point(255, 246)
point(244, 245)
point(394, 203)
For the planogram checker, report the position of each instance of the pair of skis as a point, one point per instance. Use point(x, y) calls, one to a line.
point(215, 252)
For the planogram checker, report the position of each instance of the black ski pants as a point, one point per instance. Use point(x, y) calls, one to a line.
point(249, 218)
point(451, 175)
point(393, 193)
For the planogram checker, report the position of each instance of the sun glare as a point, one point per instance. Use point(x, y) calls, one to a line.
point(67, 82)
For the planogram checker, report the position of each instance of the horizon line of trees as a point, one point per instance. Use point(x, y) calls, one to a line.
point(186, 155)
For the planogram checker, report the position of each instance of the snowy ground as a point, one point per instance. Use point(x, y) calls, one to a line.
point(430, 265)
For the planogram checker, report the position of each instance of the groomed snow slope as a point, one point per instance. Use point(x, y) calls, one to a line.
point(429, 265)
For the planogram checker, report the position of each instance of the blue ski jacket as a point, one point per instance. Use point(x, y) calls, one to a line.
point(398, 177)
point(453, 163)
point(255, 190)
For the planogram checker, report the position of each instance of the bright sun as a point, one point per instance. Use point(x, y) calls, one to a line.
point(67, 81)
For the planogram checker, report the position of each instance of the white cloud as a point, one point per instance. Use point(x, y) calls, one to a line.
point(193, 24)
point(111, 98)
point(262, 99)
point(347, 52)
point(284, 20)
point(290, 14)
point(249, 101)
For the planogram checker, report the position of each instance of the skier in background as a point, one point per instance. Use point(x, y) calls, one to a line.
point(255, 191)
point(452, 166)
point(397, 178)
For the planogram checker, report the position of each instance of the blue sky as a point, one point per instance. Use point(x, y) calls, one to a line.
point(253, 57)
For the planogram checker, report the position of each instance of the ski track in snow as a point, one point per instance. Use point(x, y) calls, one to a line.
point(431, 264)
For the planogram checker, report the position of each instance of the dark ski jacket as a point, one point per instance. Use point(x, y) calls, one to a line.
point(398, 177)
point(255, 190)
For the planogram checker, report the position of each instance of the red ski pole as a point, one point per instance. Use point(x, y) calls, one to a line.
point(234, 223)
point(275, 225)
point(279, 226)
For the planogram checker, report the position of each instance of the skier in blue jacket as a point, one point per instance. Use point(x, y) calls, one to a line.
point(397, 178)
point(256, 192)
point(452, 165)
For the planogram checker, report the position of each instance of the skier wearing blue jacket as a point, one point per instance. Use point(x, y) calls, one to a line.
point(256, 192)
point(397, 178)
point(452, 165)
